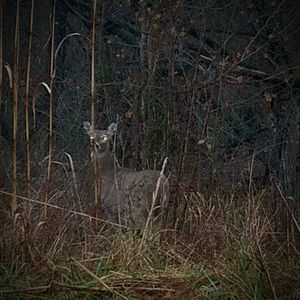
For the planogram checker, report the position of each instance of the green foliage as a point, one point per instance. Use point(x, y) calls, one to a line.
point(13, 274)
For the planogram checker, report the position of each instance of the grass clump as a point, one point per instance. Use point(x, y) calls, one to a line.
point(216, 253)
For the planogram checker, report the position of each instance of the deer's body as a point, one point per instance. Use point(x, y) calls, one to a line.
point(126, 195)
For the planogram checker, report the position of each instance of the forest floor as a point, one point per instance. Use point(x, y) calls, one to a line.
point(242, 247)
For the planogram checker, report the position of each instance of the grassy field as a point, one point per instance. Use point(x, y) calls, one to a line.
point(247, 248)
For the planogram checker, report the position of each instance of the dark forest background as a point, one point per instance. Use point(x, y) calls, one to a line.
point(212, 86)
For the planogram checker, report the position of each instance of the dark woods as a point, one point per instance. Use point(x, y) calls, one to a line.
point(173, 75)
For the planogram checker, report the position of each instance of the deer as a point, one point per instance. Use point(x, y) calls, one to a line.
point(127, 197)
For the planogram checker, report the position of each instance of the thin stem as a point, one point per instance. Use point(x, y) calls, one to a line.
point(52, 75)
point(96, 166)
point(15, 109)
point(28, 169)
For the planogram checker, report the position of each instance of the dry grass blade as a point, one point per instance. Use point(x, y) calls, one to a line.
point(39, 289)
point(288, 207)
point(66, 210)
point(63, 40)
point(73, 175)
point(154, 198)
point(98, 279)
point(46, 86)
point(9, 73)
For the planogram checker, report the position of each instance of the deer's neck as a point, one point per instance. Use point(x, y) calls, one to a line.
point(106, 164)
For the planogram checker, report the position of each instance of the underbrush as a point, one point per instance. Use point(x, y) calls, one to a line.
point(224, 247)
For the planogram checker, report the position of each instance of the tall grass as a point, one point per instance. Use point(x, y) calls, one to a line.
point(215, 254)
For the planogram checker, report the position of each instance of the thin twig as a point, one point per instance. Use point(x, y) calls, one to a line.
point(66, 210)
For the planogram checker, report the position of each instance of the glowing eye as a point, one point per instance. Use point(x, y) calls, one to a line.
point(103, 138)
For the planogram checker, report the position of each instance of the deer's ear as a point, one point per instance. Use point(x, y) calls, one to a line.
point(112, 128)
point(87, 127)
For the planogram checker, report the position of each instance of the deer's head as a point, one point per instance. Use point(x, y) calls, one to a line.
point(100, 138)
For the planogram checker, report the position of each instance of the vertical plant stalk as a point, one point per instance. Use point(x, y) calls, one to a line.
point(52, 75)
point(144, 57)
point(1, 61)
point(96, 165)
point(28, 168)
point(1, 52)
point(171, 41)
point(15, 108)
point(184, 150)
point(159, 185)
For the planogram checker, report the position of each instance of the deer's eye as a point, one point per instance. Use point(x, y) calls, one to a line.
point(103, 138)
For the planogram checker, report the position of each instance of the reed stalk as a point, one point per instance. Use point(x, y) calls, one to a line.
point(27, 134)
point(96, 167)
point(1, 60)
point(50, 123)
point(1, 53)
point(15, 106)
